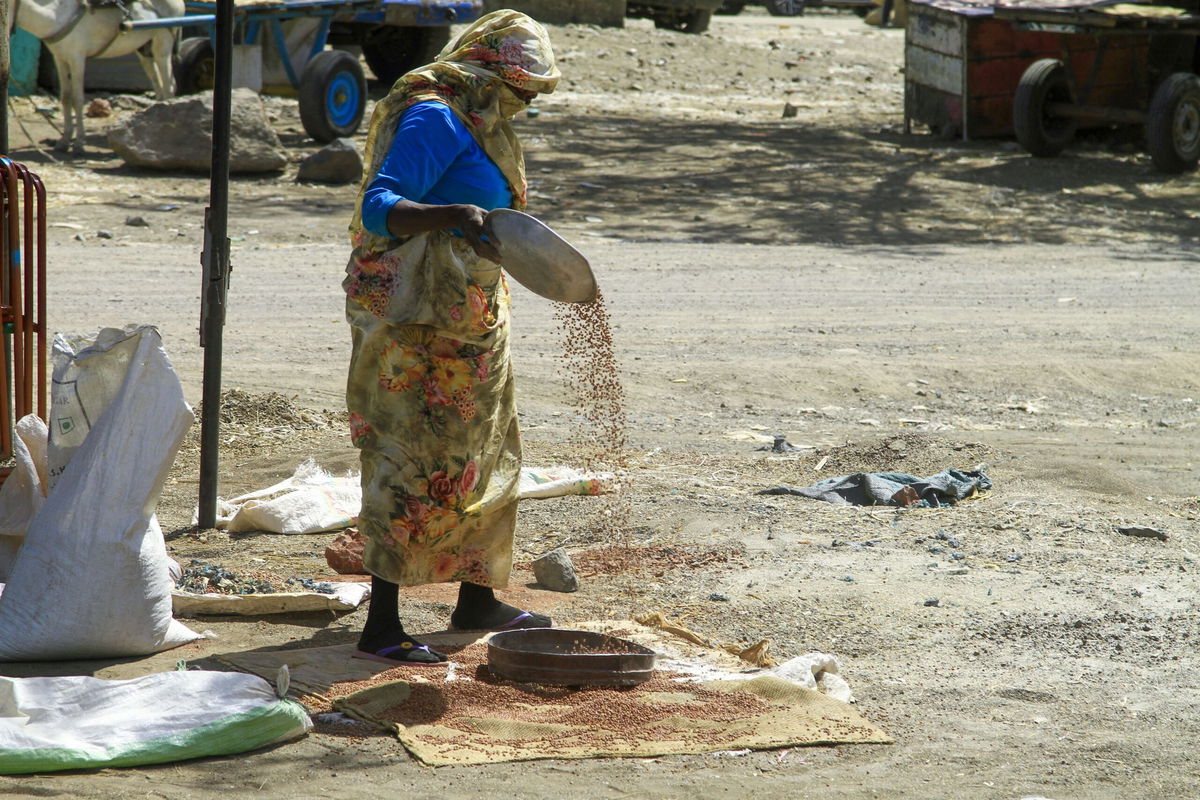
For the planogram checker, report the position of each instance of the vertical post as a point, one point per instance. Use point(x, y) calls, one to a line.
point(215, 261)
point(5, 71)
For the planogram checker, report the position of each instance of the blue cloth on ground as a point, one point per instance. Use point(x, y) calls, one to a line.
point(435, 160)
point(880, 488)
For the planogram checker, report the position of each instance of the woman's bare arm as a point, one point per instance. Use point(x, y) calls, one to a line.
point(407, 218)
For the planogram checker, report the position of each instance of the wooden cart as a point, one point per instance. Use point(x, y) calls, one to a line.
point(1041, 69)
point(309, 49)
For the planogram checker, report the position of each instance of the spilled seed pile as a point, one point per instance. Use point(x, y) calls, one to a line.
point(591, 372)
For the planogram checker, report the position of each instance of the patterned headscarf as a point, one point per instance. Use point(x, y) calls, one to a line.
point(472, 75)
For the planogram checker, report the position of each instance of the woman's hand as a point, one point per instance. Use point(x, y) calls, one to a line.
point(407, 218)
point(475, 231)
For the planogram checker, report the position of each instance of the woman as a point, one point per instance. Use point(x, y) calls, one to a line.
point(430, 390)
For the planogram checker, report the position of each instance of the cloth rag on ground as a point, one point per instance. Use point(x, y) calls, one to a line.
point(312, 500)
point(476, 718)
point(702, 699)
point(893, 489)
point(76, 722)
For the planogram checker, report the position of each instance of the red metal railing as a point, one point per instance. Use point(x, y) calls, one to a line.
point(23, 384)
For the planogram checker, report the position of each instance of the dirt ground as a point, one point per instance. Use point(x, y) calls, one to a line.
point(888, 302)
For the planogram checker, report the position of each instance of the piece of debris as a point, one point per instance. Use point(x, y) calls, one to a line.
point(790, 110)
point(99, 107)
point(717, 597)
point(1143, 532)
point(137, 222)
point(104, 234)
point(933, 602)
point(782, 445)
point(554, 571)
point(344, 554)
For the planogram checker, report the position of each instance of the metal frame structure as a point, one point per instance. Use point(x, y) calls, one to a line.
point(23, 380)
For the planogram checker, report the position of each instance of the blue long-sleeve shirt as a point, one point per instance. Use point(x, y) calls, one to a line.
point(435, 160)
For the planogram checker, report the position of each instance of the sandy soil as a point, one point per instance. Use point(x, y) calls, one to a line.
point(888, 301)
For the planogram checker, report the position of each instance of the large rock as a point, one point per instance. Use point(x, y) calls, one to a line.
point(177, 135)
point(337, 162)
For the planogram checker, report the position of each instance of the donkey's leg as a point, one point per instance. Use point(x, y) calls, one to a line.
point(155, 56)
point(70, 87)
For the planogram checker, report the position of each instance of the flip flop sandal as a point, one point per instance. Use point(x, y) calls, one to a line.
point(516, 623)
point(382, 655)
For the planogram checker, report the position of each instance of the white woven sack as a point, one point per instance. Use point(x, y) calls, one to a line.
point(24, 491)
point(91, 579)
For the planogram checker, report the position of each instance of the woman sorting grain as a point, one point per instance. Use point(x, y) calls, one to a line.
point(430, 390)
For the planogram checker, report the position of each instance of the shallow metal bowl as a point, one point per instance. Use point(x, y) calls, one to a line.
point(569, 658)
point(540, 259)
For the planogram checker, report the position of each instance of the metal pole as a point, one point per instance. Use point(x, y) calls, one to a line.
point(5, 71)
point(215, 261)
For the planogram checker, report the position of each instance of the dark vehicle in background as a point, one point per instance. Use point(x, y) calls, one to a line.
point(687, 16)
point(794, 8)
point(776, 8)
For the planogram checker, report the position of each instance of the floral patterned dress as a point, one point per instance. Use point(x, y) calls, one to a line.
point(430, 390)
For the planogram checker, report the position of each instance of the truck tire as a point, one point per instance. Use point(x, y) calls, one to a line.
point(195, 67)
point(1173, 124)
point(698, 21)
point(694, 21)
point(1045, 81)
point(391, 51)
point(785, 8)
point(333, 95)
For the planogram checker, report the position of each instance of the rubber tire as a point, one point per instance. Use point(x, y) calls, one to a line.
point(195, 67)
point(1044, 81)
point(333, 95)
point(390, 51)
point(698, 21)
point(731, 8)
point(785, 8)
point(1173, 124)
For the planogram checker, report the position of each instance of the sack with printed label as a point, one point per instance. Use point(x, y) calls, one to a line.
point(91, 578)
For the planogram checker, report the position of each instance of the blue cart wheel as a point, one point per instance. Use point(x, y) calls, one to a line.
point(333, 95)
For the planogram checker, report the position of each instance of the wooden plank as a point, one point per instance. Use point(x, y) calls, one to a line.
point(935, 30)
point(934, 69)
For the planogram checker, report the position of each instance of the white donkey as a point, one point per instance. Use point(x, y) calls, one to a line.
point(75, 30)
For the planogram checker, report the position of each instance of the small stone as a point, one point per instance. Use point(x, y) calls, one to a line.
point(338, 162)
point(554, 571)
point(717, 597)
point(137, 222)
point(790, 110)
point(104, 234)
point(345, 553)
point(933, 602)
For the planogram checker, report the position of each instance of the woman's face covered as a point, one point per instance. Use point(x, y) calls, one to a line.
point(513, 47)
